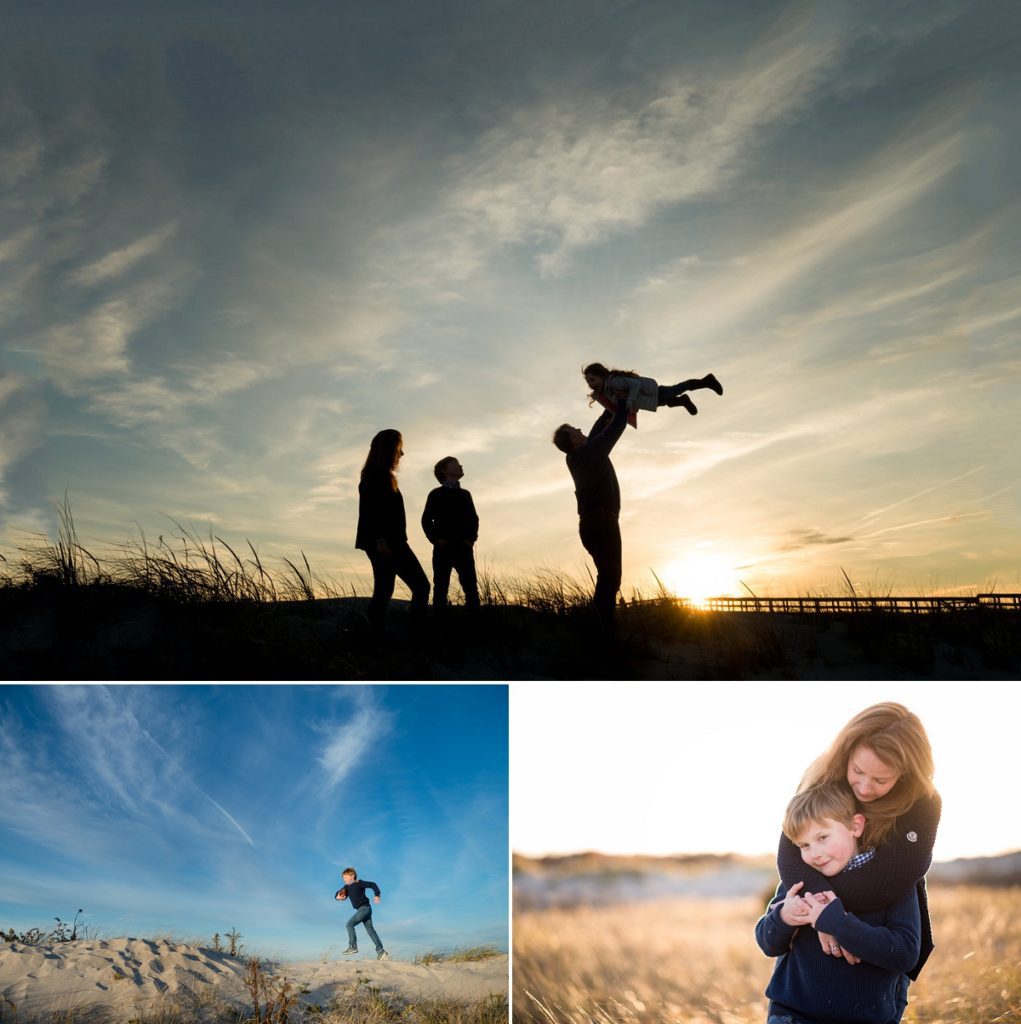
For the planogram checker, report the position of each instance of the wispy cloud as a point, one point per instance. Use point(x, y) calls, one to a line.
point(809, 538)
point(864, 204)
point(953, 518)
point(96, 343)
point(919, 494)
point(117, 263)
point(125, 766)
point(347, 744)
point(564, 174)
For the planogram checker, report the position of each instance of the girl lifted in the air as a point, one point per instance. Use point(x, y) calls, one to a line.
point(610, 387)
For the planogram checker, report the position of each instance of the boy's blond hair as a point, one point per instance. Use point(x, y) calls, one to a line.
point(829, 801)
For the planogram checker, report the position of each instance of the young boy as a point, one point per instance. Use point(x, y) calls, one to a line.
point(452, 526)
point(355, 892)
point(808, 986)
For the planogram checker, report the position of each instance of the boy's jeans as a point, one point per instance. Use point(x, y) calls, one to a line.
point(901, 1001)
point(363, 915)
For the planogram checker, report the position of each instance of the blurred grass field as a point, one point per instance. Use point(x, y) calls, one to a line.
point(695, 961)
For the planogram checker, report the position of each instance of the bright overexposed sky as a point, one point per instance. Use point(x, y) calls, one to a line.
point(239, 238)
point(661, 768)
point(191, 810)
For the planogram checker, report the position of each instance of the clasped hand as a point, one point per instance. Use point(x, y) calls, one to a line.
point(798, 910)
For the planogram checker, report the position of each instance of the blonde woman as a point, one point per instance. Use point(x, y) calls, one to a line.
point(883, 756)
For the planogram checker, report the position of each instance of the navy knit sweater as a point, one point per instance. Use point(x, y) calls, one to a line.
point(356, 892)
point(897, 869)
point(820, 989)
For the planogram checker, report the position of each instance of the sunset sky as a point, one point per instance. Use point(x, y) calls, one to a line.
point(191, 810)
point(239, 238)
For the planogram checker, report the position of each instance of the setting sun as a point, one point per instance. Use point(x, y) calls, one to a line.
point(702, 575)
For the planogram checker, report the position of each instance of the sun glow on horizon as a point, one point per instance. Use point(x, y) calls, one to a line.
point(701, 575)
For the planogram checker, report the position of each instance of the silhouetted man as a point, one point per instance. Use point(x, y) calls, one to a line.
point(598, 494)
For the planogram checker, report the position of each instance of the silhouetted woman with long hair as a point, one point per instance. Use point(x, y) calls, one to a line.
point(383, 535)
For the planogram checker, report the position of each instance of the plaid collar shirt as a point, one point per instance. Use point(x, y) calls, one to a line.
point(858, 859)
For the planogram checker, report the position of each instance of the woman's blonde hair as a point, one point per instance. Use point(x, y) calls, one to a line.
point(897, 737)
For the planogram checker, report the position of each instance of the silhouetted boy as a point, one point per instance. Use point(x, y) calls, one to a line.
point(452, 525)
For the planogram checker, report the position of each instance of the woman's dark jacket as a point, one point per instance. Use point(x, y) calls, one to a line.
point(898, 867)
point(380, 512)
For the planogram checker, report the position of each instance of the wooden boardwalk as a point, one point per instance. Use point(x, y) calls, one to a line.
point(848, 605)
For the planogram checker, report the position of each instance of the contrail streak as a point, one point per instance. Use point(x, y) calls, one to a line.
point(956, 518)
point(904, 501)
point(202, 792)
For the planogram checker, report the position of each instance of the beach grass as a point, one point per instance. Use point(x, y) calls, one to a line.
point(187, 606)
point(368, 1006)
point(695, 960)
point(465, 955)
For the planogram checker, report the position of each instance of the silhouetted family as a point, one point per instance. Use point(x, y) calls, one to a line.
point(450, 520)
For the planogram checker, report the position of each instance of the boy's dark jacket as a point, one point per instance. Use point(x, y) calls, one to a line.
point(356, 892)
point(820, 989)
point(450, 515)
point(898, 867)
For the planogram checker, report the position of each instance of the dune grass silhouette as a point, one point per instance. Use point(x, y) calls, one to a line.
point(193, 607)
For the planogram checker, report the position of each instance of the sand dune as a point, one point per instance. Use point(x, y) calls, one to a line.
point(112, 979)
point(467, 981)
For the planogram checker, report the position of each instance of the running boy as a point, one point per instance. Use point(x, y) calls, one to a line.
point(809, 987)
point(354, 891)
point(452, 526)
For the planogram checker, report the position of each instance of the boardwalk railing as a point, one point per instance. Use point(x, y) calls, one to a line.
point(834, 605)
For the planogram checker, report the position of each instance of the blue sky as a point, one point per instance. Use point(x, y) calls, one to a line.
point(237, 239)
point(193, 810)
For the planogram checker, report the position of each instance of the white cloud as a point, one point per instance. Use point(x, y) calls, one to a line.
point(364, 727)
point(566, 174)
point(863, 203)
point(118, 262)
point(14, 244)
point(96, 343)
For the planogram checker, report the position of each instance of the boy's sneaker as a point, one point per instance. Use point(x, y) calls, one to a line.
point(350, 949)
point(382, 955)
point(710, 381)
